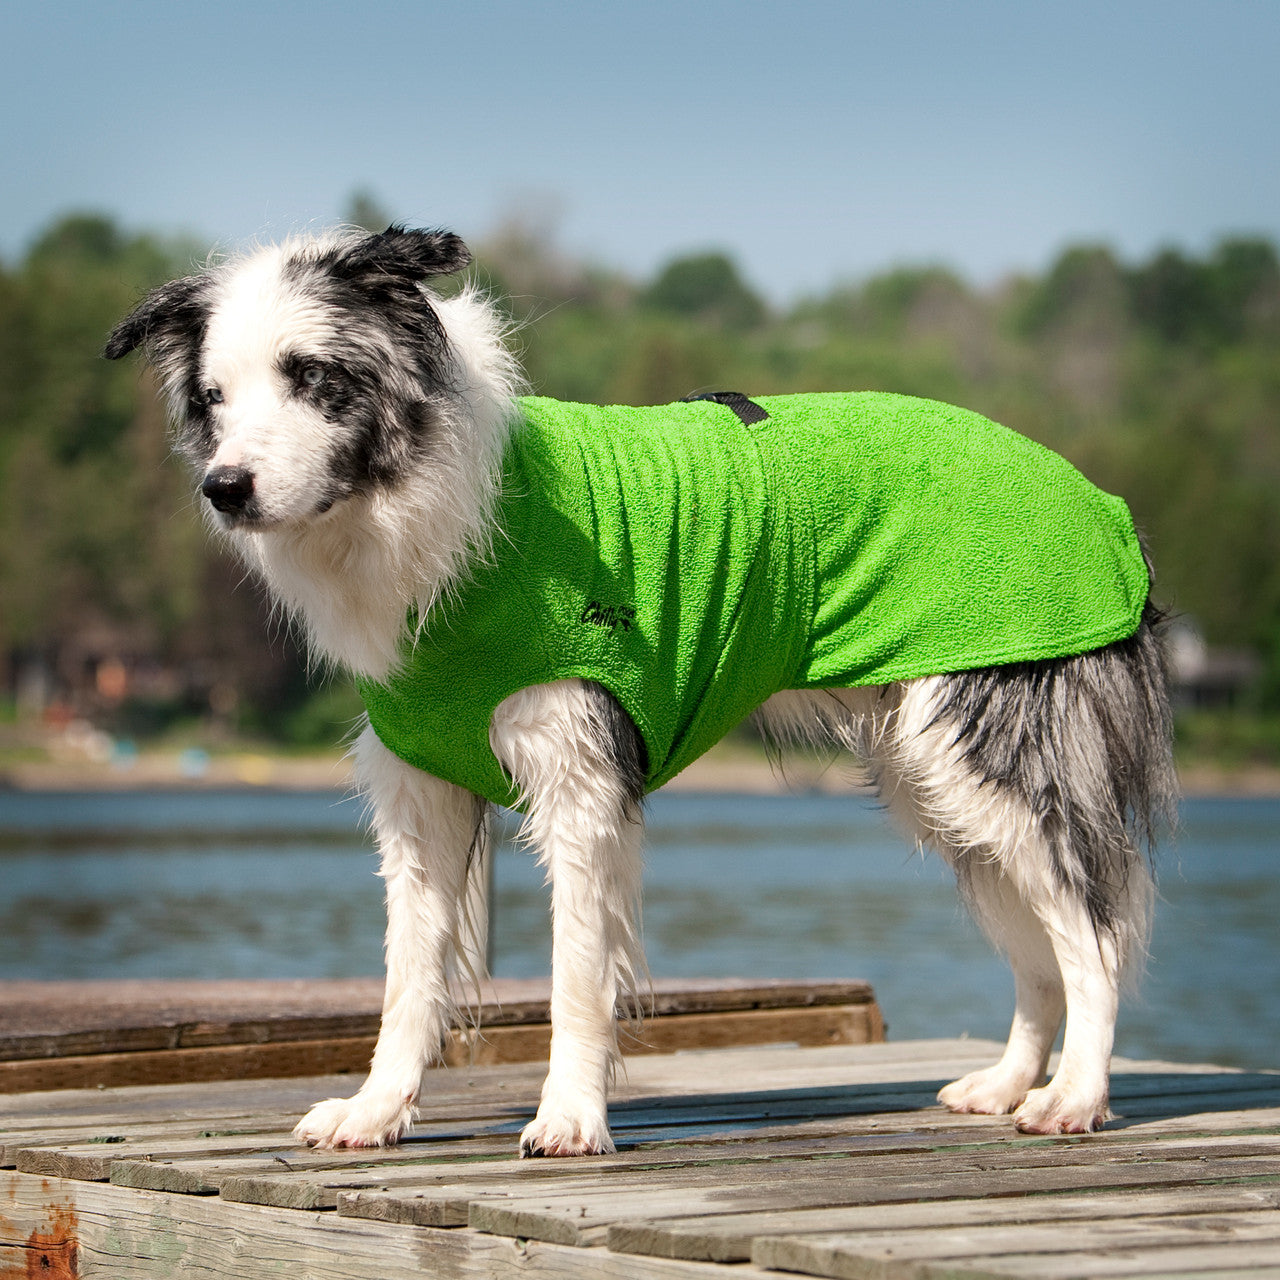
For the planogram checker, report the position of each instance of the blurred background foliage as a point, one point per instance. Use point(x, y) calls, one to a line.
point(1159, 379)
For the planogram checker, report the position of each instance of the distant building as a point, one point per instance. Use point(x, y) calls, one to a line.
point(1203, 675)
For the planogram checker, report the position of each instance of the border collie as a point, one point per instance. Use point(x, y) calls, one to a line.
point(353, 431)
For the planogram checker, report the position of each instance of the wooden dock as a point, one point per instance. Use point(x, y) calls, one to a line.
point(738, 1162)
point(63, 1035)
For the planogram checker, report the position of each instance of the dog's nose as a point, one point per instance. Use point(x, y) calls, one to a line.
point(228, 488)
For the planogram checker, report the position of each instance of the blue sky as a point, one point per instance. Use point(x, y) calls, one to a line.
point(817, 142)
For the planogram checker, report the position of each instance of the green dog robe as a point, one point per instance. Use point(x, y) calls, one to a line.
point(694, 564)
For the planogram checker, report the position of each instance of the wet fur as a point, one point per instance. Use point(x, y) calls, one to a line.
point(347, 424)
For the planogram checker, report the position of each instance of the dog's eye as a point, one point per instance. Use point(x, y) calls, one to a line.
point(206, 396)
point(312, 375)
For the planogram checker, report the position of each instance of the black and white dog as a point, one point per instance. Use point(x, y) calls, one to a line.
point(348, 426)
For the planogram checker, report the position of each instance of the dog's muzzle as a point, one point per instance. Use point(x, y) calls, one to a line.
point(229, 489)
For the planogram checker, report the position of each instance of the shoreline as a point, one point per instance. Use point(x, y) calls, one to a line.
point(727, 768)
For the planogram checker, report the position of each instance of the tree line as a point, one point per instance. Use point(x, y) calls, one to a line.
point(1160, 379)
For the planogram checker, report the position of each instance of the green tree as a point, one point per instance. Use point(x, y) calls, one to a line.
point(705, 287)
point(101, 553)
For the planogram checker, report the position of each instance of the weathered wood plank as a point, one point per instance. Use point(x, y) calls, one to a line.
point(135, 1140)
point(201, 1171)
point(768, 1067)
point(409, 1210)
point(936, 1122)
point(162, 1066)
point(650, 1167)
point(1251, 1120)
point(1140, 1097)
point(278, 1056)
point(674, 1032)
point(452, 1094)
point(317, 1179)
point(90, 1159)
point(179, 1160)
point(267, 1169)
point(801, 1144)
point(143, 1103)
point(583, 1216)
point(93, 1161)
point(52, 1019)
point(639, 1131)
point(112, 1233)
point(490, 1130)
point(44, 1019)
point(42, 1023)
point(267, 1126)
point(729, 1237)
point(1056, 1247)
point(282, 1178)
point(727, 1165)
point(759, 1068)
point(928, 1065)
point(1134, 1097)
point(468, 1164)
point(1203, 1262)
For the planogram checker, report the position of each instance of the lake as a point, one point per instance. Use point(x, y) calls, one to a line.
point(263, 884)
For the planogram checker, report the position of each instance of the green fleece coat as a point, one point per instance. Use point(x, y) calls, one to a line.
point(694, 564)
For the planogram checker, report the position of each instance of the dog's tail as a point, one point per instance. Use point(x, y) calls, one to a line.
point(1143, 775)
point(1082, 746)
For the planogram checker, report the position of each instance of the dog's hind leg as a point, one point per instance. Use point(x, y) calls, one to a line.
point(426, 831)
point(1061, 958)
point(1075, 1100)
point(1061, 961)
point(578, 763)
point(1039, 998)
point(1038, 781)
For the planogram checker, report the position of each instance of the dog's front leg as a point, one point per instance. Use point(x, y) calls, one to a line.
point(574, 757)
point(426, 829)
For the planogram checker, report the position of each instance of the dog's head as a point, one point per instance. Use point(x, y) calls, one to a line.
point(305, 373)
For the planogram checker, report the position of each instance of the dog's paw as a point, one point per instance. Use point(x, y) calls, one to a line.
point(558, 1131)
point(362, 1121)
point(991, 1092)
point(1056, 1110)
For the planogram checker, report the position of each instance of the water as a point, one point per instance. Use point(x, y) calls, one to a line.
point(268, 884)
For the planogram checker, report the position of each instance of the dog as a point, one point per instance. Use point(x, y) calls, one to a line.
point(362, 439)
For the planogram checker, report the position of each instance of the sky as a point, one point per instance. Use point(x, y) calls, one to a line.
point(815, 142)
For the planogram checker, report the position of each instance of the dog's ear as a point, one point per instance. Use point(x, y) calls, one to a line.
point(411, 255)
point(166, 316)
